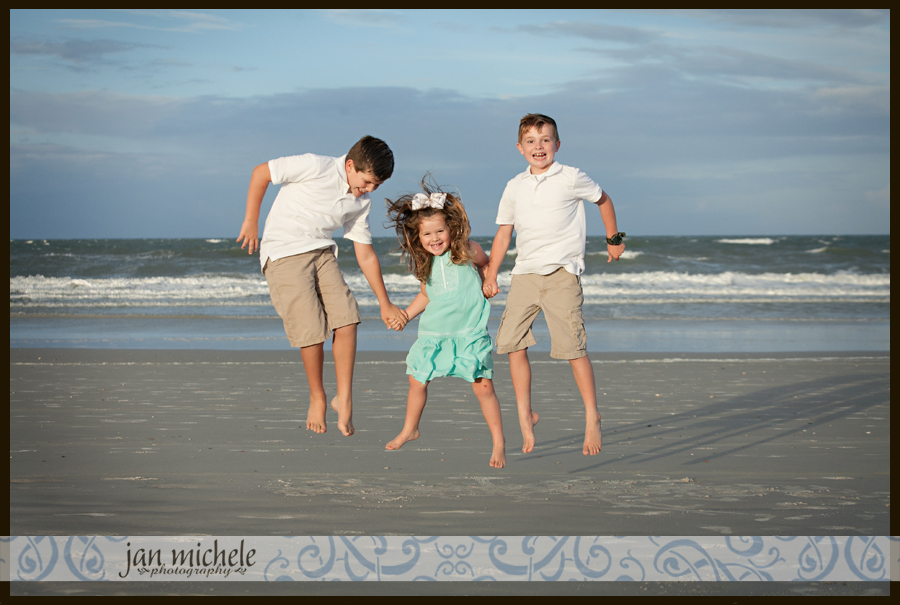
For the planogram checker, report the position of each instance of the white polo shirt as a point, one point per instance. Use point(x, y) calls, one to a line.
point(547, 212)
point(313, 202)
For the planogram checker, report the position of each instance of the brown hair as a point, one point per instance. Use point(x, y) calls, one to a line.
point(372, 155)
point(537, 121)
point(406, 221)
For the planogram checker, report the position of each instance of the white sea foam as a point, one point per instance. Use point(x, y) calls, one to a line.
point(644, 287)
point(766, 241)
point(627, 255)
point(730, 287)
point(38, 291)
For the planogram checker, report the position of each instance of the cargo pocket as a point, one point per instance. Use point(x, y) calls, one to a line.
point(579, 335)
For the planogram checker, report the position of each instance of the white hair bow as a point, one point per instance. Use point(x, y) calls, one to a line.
point(435, 200)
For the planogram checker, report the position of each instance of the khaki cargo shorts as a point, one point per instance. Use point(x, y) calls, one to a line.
point(560, 297)
point(310, 295)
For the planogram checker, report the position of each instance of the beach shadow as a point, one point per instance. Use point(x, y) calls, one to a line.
point(764, 416)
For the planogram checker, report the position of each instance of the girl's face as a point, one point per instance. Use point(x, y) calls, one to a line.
point(434, 235)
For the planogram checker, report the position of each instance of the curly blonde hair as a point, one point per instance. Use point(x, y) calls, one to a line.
point(406, 221)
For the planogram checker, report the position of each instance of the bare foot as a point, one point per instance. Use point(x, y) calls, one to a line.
point(592, 438)
point(498, 456)
point(527, 425)
point(345, 416)
point(315, 418)
point(402, 438)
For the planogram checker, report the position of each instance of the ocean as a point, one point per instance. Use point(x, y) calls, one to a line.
point(742, 294)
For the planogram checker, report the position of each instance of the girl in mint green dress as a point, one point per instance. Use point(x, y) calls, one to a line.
point(433, 229)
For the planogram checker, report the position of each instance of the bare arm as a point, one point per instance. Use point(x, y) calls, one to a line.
point(259, 182)
point(608, 214)
point(479, 258)
point(418, 304)
point(392, 315)
point(498, 253)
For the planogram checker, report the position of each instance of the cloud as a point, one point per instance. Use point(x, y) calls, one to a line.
point(91, 112)
point(635, 131)
point(724, 62)
point(159, 20)
point(598, 32)
point(76, 51)
point(796, 18)
point(878, 98)
point(364, 18)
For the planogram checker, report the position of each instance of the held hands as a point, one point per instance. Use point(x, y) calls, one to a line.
point(489, 286)
point(394, 318)
point(249, 237)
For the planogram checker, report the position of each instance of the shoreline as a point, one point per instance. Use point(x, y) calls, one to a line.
point(625, 336)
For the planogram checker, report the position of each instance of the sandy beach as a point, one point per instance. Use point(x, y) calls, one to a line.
point(180, 442)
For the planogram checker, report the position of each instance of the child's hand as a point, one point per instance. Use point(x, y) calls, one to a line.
point(394, 318)
point(249, 237)
point(489, 288)
point(614, 251)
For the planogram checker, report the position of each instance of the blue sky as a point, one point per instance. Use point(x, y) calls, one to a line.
point(146, 123)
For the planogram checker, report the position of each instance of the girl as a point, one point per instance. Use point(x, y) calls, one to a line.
point(433, 230)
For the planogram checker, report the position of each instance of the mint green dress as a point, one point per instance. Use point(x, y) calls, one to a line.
point(453, 338)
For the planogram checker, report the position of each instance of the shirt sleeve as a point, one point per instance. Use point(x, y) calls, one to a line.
point(294, 168)
point(585, 188)
point(506, 213)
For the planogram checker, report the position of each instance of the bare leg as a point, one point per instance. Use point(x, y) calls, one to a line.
point(490, 407)
point(344, 349)
point(415, 405)
point(584, 378)
point(313, 360)
point(520, 370)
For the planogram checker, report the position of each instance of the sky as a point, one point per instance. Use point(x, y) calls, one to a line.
point(148, 123)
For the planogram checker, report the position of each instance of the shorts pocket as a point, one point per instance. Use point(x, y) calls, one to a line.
point(576, 323)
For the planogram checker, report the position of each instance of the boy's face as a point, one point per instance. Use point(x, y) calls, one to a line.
point(360, 183)
point(539, 147)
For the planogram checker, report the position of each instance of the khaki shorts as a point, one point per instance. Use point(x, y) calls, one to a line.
point(310, 295)
point(560, 297)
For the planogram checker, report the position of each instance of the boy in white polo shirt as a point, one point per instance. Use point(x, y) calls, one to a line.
point(544, 207)
point(319, 195)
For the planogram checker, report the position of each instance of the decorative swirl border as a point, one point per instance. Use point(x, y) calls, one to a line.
point(457, 558)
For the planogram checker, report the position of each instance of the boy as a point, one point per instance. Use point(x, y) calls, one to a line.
point(543, 205)
point(319, 195)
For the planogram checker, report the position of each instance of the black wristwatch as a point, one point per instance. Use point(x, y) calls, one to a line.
point(616, 239)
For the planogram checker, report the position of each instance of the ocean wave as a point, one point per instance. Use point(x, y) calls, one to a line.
point(757, 241)
point(733, 277)
point(627, 255)
point(40, 290)
point(599, 288)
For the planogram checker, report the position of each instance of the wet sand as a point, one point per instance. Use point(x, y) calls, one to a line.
point(155, 442)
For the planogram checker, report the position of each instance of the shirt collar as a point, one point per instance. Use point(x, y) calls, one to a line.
point(345, 184)
point(554, 168)
point(342, 172)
